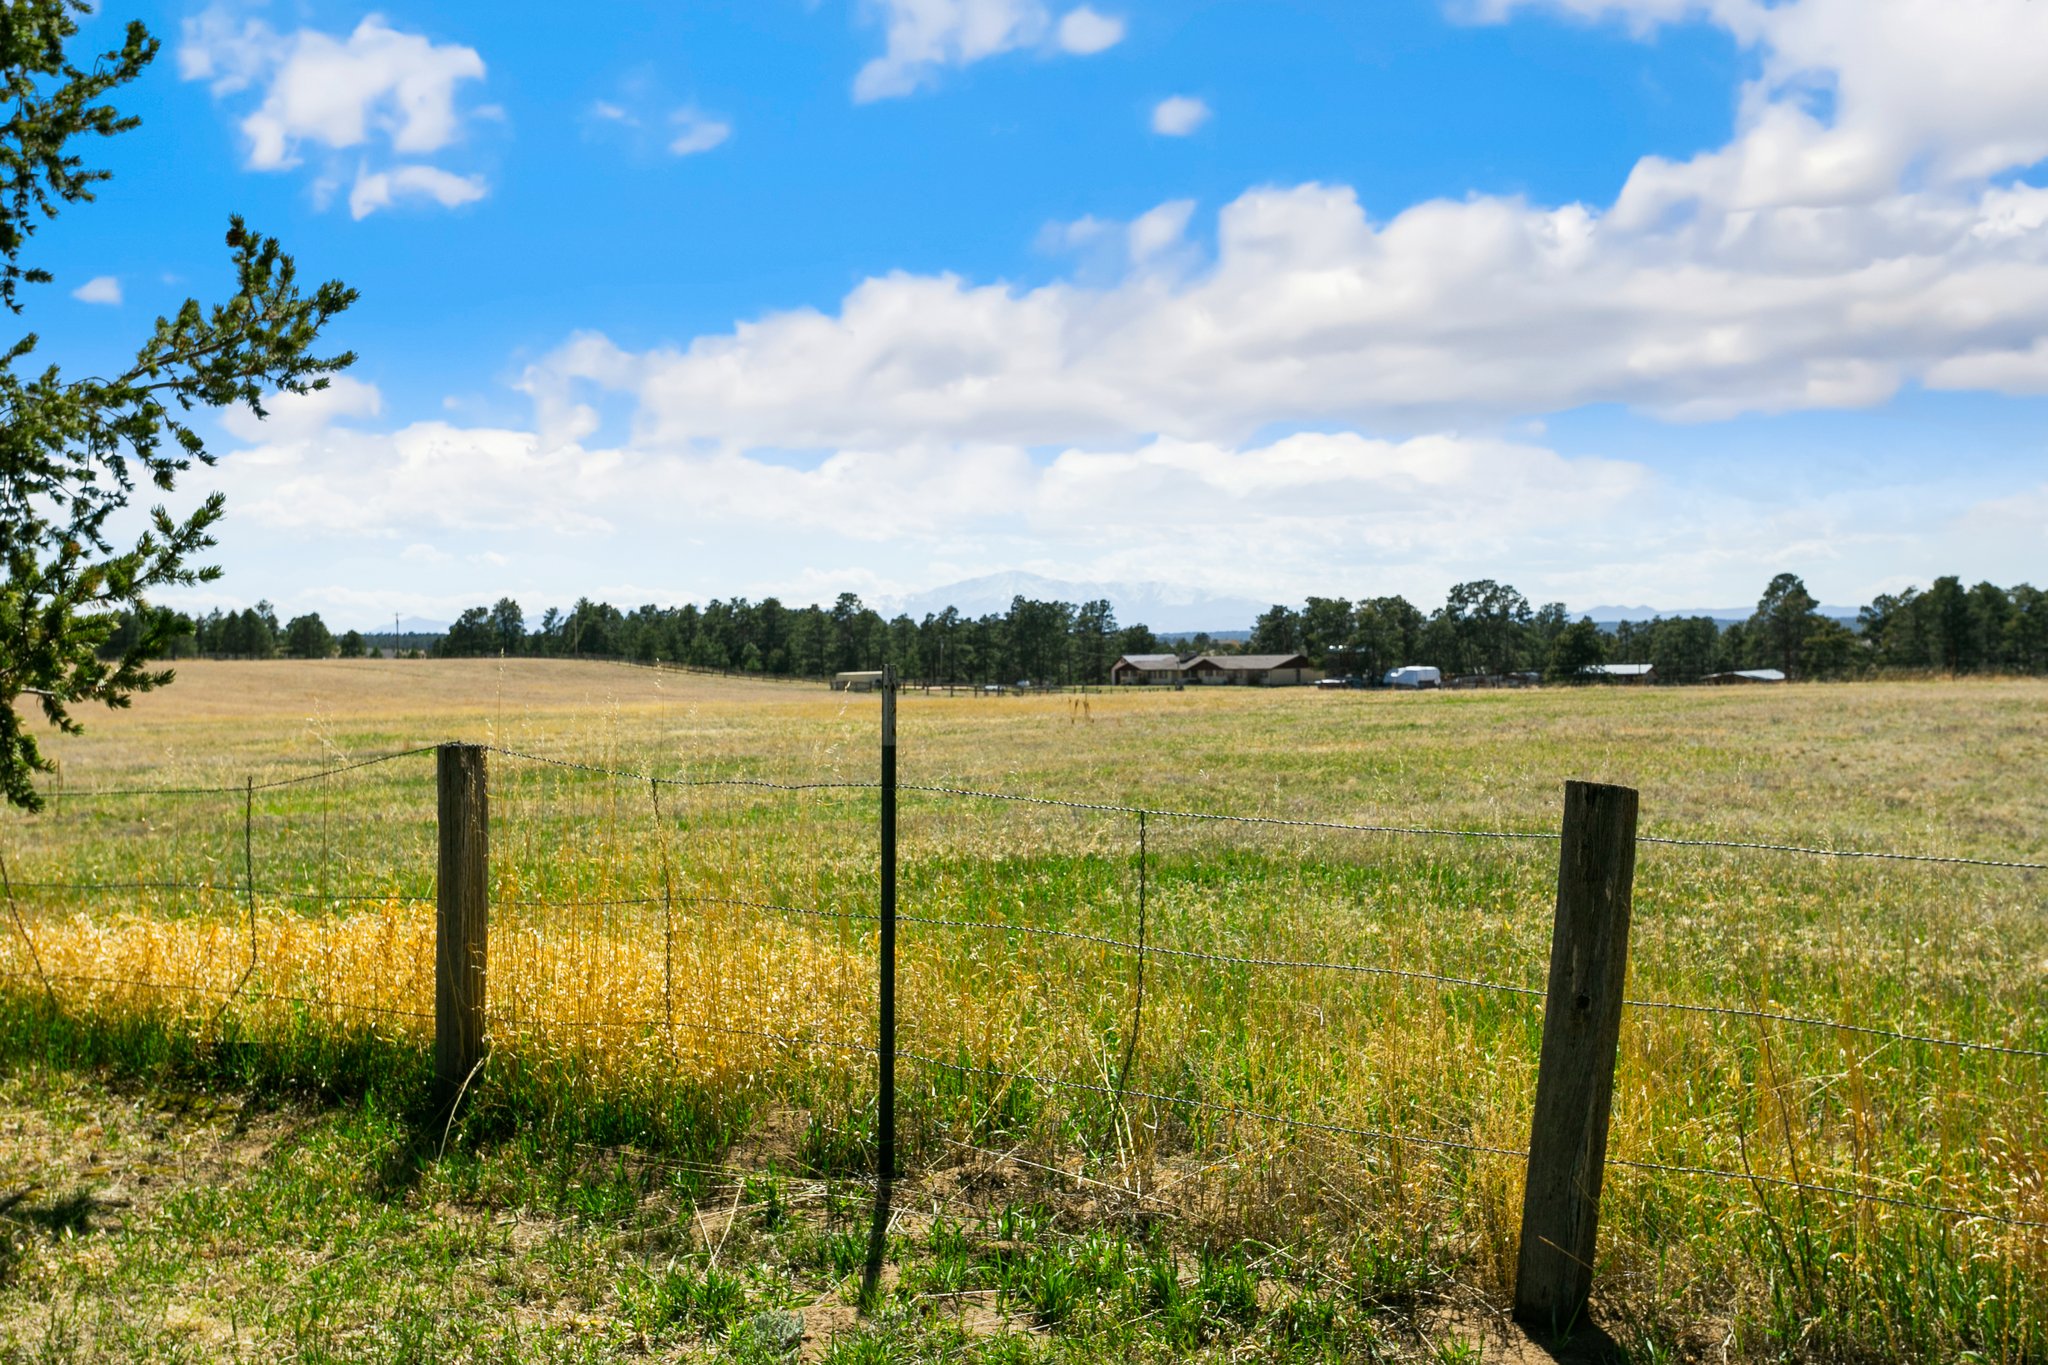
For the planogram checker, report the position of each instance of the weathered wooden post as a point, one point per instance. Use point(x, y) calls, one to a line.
point(462, 927)
point(1581, 1029)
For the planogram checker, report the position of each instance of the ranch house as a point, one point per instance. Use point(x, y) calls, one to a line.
point(1138, 669)
point(1250, 670)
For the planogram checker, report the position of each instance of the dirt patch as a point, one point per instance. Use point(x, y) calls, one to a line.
point(108, 1159)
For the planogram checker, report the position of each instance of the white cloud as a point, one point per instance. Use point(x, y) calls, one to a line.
point(697, 132)
point(614, 113)
point(1836, 249)
point(1084, 32)
point(1304, 498)
point(424, 476)
point(1861, 231)
point(99, 289)
point(1160, 229)
point(375, 190)
point(376, 90)
point(1473, 310)
point(1941, 91)
point(297, 417)
point(924, 37)
point(1179, 115)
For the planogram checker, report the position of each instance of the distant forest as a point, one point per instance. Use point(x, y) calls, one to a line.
point(1483, 627)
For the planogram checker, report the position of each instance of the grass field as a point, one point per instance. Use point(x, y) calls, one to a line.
point(643, 941)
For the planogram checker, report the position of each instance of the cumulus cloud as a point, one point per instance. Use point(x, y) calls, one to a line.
point(1159, 230)
point(375, 190)
point(426, 475)
point(1308, 310)
point(1084, 32)
point(1943, 90)
point(1832, 252)
point(923, 37)
point(1179, 115)
point(695, 132)
point(297, 417)
point(99, 289)
point(1855, 235)
point(377, 90)
point(1303, 497)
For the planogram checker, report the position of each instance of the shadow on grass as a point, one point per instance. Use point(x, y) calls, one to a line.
point(1584, 1344)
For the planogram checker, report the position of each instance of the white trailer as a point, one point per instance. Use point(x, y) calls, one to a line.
point(1414, 675)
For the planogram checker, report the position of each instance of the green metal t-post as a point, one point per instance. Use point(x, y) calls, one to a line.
point(885, 1103)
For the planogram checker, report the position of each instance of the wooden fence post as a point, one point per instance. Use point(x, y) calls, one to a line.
point(1581, 1028)
point(462, 927)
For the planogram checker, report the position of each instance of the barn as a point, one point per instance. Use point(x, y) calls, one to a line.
point(1250, 670)
point(1140, 669)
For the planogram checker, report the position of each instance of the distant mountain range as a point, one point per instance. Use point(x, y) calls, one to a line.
point(1609, 615)
point(1167, 608)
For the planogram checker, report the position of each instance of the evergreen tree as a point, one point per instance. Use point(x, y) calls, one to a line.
point(307, 637)
point(72, 452)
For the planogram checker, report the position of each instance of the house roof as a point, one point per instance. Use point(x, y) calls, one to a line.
point(1250, 663)
point(1753, 674)
point(1151, 660)
point(1620, 670)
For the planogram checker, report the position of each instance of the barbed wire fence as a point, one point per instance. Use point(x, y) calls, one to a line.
point(220, 883)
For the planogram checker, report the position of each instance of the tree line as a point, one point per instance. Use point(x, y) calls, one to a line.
point(1483, 627)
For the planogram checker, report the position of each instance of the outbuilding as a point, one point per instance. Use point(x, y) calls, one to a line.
point(1636, 674)
point(1139, 669)
point(1250, 670)
point(857, 680)
point(1747, 675)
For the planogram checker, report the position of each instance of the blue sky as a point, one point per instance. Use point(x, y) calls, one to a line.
point(1619, 300)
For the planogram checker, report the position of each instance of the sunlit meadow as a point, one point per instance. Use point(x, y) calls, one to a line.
point(698, 955)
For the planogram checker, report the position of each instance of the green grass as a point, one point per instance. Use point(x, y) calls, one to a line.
point(1282, 1243)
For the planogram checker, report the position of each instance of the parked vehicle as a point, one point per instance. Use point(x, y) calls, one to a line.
point(1415, 676)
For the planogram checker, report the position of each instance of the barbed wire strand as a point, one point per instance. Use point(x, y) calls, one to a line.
point(238, 791)
point(1812, 1021)
point(229, 889)
point(733, 901)
point(1951, 1210)
point(630, 775)
point(1155, 813)
point(261, 997)
point(1839, 1191)
point(1226, 959)
point(249, 883)
point(1239, 1111)
point(1671, 841)
point(1145, 949)
point(1102, 940)
point(21, 926)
